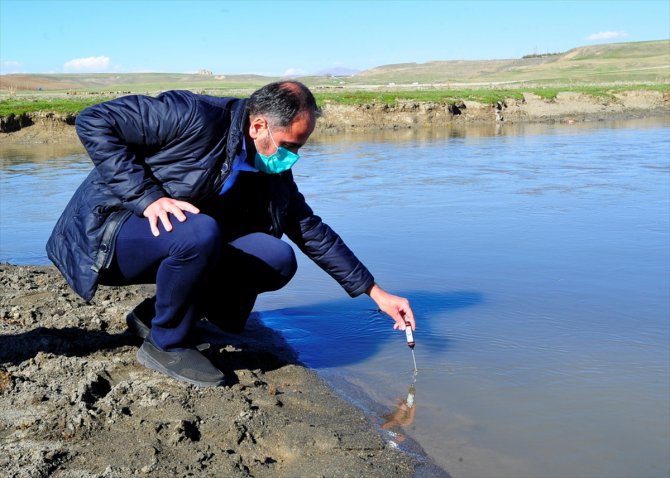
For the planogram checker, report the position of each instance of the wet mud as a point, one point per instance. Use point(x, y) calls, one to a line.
point(74, 401)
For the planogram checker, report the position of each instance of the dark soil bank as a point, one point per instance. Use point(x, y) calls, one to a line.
point(74, 402)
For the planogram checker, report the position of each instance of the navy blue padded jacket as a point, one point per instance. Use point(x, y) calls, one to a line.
point(179, 145)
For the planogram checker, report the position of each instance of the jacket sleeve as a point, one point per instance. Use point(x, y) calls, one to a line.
point(325, 247)
point(117, 136)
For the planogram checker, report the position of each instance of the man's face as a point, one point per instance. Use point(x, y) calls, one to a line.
point(293, 137)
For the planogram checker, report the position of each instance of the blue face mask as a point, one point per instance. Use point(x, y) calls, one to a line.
point(278, 162)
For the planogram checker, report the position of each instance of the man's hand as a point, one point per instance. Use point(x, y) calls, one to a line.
point(161, 208)
point(397, 307)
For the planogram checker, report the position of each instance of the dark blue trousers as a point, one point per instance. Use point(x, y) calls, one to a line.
point(197, 273)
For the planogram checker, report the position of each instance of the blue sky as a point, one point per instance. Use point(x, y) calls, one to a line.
point(300, 37)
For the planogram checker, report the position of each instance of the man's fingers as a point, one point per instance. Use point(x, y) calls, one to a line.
point(408, 317)
point(187, 206)
point(161, 210)
point(178, 208)
point(398, 319)
point(181, 217)
point(165, 220)
point(153, 224)
point(407, 314)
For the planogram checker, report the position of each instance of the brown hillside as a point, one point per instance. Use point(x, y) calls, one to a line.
point(35, 82)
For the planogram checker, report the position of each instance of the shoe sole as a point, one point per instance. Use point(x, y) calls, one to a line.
point(148, 361)
point(136, 326)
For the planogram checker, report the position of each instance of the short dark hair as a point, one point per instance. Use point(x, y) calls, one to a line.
point(282, 101)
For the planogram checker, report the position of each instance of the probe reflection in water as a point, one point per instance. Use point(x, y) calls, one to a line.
point(403, 414)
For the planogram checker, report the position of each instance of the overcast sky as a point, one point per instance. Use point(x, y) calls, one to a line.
point(299, 37)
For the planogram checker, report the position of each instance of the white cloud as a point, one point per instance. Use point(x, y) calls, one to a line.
point(607, 36)
point(92, 64)
point(8, 67)
point(294, 72)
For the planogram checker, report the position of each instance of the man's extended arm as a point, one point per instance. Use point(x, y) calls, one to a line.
point(327, 249)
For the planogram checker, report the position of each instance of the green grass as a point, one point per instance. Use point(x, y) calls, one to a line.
point(154, 87)
point(56, 105)
point(596, 91)
point(486, 96)
point(431, 96)
point(74, 104)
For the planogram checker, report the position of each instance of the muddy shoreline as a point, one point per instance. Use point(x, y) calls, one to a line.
point(46, 127)
point(74, 401)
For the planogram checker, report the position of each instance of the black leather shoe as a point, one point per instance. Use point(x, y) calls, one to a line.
point(186, 365)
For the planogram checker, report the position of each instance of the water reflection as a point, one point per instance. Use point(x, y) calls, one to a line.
point(13, 154)
point(402, 415)
point(480, 130)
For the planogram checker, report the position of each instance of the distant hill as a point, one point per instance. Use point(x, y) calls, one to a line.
point(614, 62)
point(337, 71)
point(114, 82)
point(630, 62)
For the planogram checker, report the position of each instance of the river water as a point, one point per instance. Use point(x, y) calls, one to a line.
point(537, 261)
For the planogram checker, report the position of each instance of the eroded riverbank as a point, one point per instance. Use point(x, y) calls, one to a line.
point(45, 127)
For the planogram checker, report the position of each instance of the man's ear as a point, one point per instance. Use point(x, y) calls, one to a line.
point(256, 125)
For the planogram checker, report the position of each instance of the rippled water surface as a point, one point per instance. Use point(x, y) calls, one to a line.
point(537, 260)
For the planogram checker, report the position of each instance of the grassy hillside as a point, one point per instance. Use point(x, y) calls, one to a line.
point(127, 82)
point(596, 70)
point(633, 62)
point(611, 63)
